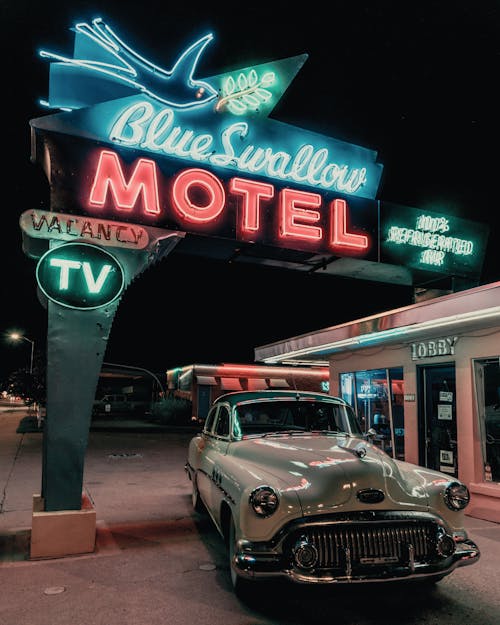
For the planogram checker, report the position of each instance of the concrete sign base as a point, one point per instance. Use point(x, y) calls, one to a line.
point(62, 532)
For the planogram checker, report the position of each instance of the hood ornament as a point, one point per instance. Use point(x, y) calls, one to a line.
point(359, 450)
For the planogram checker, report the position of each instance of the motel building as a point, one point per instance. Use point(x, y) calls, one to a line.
point(201, 384)
point(426, 377)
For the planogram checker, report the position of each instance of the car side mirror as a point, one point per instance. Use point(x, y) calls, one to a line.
point(371, 433)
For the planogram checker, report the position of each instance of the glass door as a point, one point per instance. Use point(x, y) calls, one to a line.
point(437, 418)
point(377, 397)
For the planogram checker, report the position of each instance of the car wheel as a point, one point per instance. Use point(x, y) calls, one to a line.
point(195, 497)
point(240, 586)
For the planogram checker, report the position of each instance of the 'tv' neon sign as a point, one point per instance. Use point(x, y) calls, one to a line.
point(80, 275)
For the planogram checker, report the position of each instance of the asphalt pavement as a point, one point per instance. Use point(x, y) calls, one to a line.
point(156, 561)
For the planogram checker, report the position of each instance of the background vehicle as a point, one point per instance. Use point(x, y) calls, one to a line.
point(298, 492)
point(119, 404)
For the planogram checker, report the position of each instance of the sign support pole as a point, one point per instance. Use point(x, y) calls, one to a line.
point(76, 343)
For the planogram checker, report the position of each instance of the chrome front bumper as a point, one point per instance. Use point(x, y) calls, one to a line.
point(391, 556)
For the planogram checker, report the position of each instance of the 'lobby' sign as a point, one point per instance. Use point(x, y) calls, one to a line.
point(433, 347)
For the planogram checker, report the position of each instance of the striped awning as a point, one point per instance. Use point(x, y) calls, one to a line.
point(278, 383)
point(206, 380)
point(257, 384)
point(230, 384)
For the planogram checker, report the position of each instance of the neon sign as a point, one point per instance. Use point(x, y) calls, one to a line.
point(138, 126)
point(119, 97)
point(247, 93)
point(41, 224)
point(80, 275)
point(135, 142)
point(436, 244)
point(102, 55)
point(195, 197)
point(432, 241)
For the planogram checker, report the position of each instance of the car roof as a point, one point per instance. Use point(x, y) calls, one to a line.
point(237, 397)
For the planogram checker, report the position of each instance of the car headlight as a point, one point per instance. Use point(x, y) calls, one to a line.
point(456, 496)
point(264, 501)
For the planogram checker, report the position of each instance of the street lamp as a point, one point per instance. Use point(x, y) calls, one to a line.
point(15, 336)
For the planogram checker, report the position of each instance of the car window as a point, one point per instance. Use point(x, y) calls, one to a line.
point(262, 417)
point(222, 422)
point(209, 421)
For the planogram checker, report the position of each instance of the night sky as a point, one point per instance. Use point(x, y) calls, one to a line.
point(417, 82)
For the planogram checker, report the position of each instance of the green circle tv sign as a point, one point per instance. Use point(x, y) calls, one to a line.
point(80, 275)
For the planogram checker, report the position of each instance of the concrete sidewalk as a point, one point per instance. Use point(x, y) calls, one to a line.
point(130, 470)
point(155, 562)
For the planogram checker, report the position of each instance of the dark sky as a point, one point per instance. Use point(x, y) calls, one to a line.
point(415, 81)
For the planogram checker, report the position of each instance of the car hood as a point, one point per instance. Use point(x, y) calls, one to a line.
point(328, 472)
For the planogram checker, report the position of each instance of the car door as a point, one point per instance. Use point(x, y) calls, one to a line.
point(203, 462)
point(213, 447)
point(216, 454)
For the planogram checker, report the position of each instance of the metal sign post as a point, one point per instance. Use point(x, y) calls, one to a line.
point(73, 276)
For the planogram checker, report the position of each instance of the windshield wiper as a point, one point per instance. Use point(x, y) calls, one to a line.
point(333, 432)
point(302, 432)
point(254, 435)
point(285, 432)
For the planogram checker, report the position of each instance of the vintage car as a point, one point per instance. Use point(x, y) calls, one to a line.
point(297, 491)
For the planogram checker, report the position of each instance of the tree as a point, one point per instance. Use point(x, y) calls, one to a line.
point(29, 386)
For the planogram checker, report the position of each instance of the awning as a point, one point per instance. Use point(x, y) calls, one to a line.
point(206, 380)
point(472, 309)
point(230, 384)
point(256, 384)
point(278, 383)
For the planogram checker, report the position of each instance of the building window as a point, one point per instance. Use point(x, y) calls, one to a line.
point(377, 396)
point(487, 381)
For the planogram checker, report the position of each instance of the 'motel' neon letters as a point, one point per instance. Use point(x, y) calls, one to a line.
point(299, 213)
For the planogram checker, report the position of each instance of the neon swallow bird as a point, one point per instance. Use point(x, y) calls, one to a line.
point(103, 68)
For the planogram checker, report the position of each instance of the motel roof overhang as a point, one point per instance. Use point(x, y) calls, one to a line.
point(456, 313)
point(253, 253)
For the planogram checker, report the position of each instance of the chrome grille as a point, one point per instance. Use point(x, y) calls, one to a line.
point(363, 544)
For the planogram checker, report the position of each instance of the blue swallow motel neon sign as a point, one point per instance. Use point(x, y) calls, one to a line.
point(208, 138)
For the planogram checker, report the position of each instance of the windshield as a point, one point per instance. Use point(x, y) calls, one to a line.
point(295, 415)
